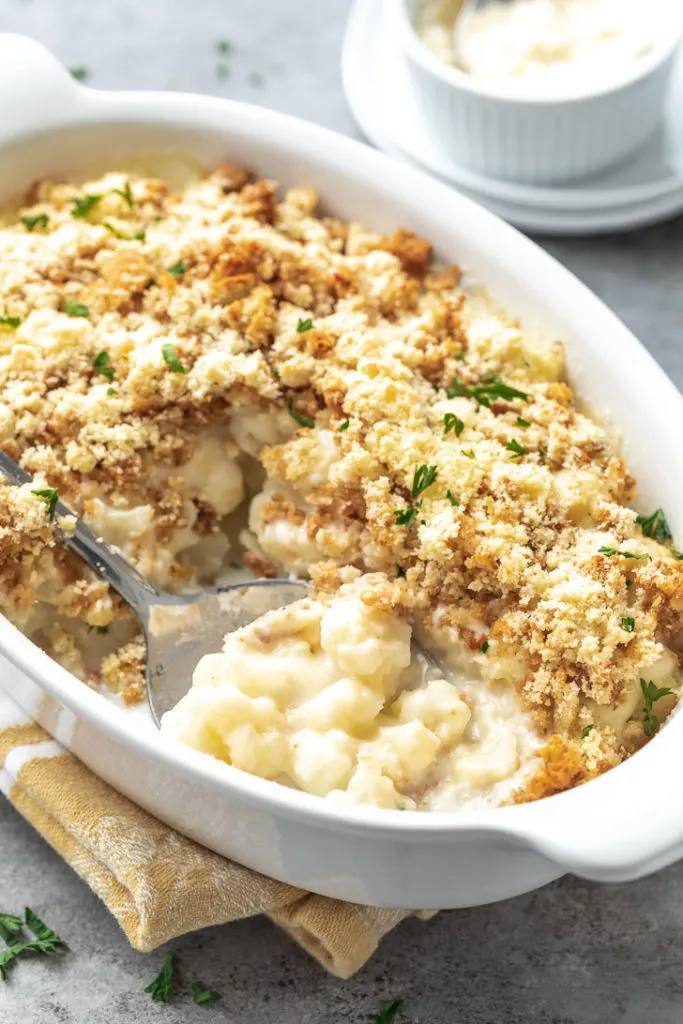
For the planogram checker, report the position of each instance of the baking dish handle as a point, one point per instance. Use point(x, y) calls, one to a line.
point(35, 89)
point(622, 826)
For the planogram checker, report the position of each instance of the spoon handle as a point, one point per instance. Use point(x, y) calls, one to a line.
point(102, 558)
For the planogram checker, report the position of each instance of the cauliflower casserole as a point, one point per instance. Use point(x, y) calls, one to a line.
point(216, 376)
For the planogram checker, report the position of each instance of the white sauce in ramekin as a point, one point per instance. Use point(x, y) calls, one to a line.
point(548, 47)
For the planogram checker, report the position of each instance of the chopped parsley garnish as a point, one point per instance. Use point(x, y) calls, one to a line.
point(542, 452)
point(100, 630)
point(343, 426)
point(102, 363)
point(111, 392)
point(50, 495)
point(38, 220)
point(73, 308)
point(178, 269)
point(467, 452)
point(400, 572)
point(423, 477)
point(452, 498)
point(82, 205)
point(223, 46)
point(80, 73)
point(628, 624)
point(452, 422)
point(655, 526)
point(125, 193)
point(521, 422)
point(304, 325)
point(137, 236)
point(299, 417)
point(516, 448)
point(624, 554)
point(10, 321)
point(170, 355)
point(629, 583)
point(405, 516)
point(203, 995)
point(651, 694)
point(677, 554)
point(460, 357)
point(586, 730)
point(484, 647)
point(10, 927)
point(161, 989)
point(387, 1011)
point(46, 941)
point(490, 388)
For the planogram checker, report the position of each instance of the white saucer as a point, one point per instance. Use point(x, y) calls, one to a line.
point(648, 190)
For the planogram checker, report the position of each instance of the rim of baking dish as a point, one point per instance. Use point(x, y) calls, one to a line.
point(401, 19)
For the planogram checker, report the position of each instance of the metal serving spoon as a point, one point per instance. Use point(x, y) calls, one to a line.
point(179, 628)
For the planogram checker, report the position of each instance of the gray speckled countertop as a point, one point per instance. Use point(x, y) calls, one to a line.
point(572, 953)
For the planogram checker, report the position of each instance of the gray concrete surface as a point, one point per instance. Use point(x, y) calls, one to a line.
point(572, 953)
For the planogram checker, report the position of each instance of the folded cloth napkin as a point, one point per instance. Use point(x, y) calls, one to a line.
point(157, 883)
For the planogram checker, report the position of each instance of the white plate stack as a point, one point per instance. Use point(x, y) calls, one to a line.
point(644, 191)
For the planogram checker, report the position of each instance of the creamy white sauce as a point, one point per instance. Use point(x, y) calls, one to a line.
point(549, 47)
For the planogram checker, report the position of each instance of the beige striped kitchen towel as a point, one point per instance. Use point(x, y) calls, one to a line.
point(157, 883)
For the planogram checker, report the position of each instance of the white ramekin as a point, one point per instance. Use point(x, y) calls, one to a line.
point(534, 140)
point(54, 126)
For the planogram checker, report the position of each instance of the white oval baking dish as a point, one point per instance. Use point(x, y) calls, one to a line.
point(389, 858)
point(534, 139)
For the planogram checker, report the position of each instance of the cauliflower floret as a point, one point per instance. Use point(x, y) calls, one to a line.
point(365, 642)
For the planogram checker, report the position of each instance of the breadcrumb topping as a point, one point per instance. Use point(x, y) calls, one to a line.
point(154, 343)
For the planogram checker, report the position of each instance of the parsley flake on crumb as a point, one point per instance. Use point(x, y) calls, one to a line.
point(178, 269)
point(102, 364)
point(73, 308)
point(628, 624)
point(161, 989)
point(82, 205)
point(490, 388)
point(651, 694)
point(452, 422)
point(299, 417)
point(624, 554)
point(343, 426)
point(38, 220)
point(125, 193)
point(203, 995)
point(10, 321)
point(304, 325)
point(586, 730)
point(50, 495)
point(452, 498)
point(516, 448)
point(423, 477)
point(170, 355)
point(655, 526)
point(484, 647)
point(404, 516)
